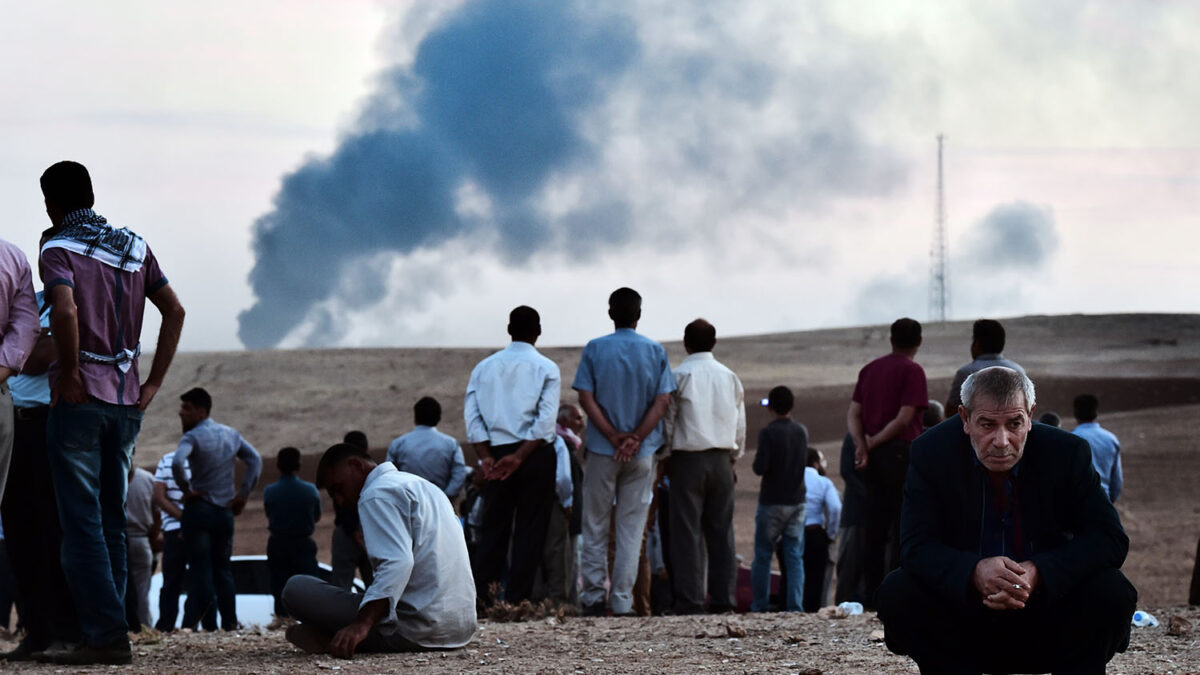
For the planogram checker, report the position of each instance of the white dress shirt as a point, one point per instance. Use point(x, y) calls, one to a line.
point(512, 396)
point(707, 409)
point(823, 506)
point(563, 487)
point(415, 544)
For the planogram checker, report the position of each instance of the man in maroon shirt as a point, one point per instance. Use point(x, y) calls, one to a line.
point(97, 279)
point(883, 419)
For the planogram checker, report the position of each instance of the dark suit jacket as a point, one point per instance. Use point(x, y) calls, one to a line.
point(1070, 528)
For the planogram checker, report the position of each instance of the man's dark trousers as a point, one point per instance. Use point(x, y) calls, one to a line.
point(886, 468)
point(287, 556)
point(1077, 633)
point(34, 537)
point(521, 504)
point(208, 534)
point(702, 518)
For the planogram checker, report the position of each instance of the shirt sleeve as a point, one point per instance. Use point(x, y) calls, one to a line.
point(563, 486)
point(547, 407)
point(22, 325)
point(585, 378)
point(740, 437)
point(915, 392)
point(253, 466)
point(666, 381)
point(179, 460)
point(476, 428)
point(56, 269)
point(388, 537)
point(458, 473)
point(833, 509)
point(155, 279)
point(1116, 480)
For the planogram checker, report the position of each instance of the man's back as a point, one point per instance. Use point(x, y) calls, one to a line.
point(210, 449)
point(884, 386)
point(139, 510)
point(1106, 456)
point(977, 364)
point(415, 540)
point(110, 302)
point(292, 506)
point(432, 455)
point(780, 460)
point(508, 393)
point(625, 371)
point(708, 407)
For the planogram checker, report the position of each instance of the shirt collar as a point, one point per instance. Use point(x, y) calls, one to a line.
point(626, 330)
point(990, 357)
point(518, 346)
point(699, 356)
point(380, 470)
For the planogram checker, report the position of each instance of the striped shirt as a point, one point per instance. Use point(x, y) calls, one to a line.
point(163, 475)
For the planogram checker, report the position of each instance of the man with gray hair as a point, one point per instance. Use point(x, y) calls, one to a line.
point(1010, 551)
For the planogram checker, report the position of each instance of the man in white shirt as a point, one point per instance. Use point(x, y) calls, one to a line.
point(706, 432)
point(429, 453)
point(510, 410)
point(422, 596)
point(823, 511)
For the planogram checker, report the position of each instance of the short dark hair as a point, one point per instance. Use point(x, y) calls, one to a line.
point(906, 333)
point(1051, 418)
point(699, 336)
point(813, 457)
point(334, 457)
point(197, 397)
point(68, 186)
point(288, 460)
point(356, 438)
point(780, 400)
point(524, 323)
point(1087, 407)
point(989, 335)
point(624, 307)
point(427, 412)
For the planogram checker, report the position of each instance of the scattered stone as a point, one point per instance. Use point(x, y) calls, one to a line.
point(1179, 626)
point(735, 631)
point(876, 636)
point(832, 613)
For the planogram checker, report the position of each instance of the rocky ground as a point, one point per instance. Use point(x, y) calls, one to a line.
point(753, 643)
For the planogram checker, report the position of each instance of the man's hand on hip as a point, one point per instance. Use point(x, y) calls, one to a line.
point(237, 505)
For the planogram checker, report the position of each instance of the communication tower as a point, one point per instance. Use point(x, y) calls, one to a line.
point(939, 283)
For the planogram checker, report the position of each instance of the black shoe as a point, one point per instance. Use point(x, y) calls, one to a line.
point(115, 654)
point(594, 609)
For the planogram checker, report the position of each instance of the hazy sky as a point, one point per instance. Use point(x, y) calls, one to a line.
point(406, 173)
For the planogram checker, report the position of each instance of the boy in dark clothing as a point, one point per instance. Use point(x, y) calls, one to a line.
point(781, 457)
point(293, 507)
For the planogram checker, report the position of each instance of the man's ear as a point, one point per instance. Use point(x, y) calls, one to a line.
point(965, 415)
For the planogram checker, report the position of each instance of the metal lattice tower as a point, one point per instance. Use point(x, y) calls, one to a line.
point(939, 283)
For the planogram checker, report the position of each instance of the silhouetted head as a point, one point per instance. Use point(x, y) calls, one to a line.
point(287, 460)
point(1087, 407)
point(427, 412)
point(987, 337)
point(358, 439)
point(699, 336)
point(1051, 418)
point(906, 334)
point(625, 307)
point(780, 400)
point(571, 417)
point(524, 324)
point(195, 406)
point(933, 414)
point(66, 187)
point(342, 471)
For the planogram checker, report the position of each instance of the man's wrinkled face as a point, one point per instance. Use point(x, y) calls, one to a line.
point(997, 431)
point(191, 415)
point(575, 421)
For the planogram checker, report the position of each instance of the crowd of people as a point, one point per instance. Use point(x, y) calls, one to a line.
point(619, 504)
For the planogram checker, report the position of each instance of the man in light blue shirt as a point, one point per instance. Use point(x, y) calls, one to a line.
point(624, 383)
point(1106, 449)
point(510, 411)
point(210, 503)
point(428, 453)
point(987, 343)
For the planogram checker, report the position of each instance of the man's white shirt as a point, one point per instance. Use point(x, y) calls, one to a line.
point(708, 407)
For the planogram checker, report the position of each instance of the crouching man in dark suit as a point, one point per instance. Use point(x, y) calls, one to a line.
point(1010, 551)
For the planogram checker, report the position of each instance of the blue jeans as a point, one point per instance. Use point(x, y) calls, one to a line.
point(771, 523)
point(89, 446)
point(208, 535)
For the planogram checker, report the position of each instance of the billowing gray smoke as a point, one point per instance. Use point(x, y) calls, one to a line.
point(507, 98)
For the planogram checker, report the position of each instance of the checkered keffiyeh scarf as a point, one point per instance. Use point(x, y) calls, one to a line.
point(87, 233)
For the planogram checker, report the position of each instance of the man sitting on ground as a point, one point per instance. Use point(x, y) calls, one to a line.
point(1011, 552)
point(422, 596)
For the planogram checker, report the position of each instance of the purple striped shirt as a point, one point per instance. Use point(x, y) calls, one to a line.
point(19, 326)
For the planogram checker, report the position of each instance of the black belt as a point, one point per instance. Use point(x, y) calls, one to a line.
point(31, 413)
